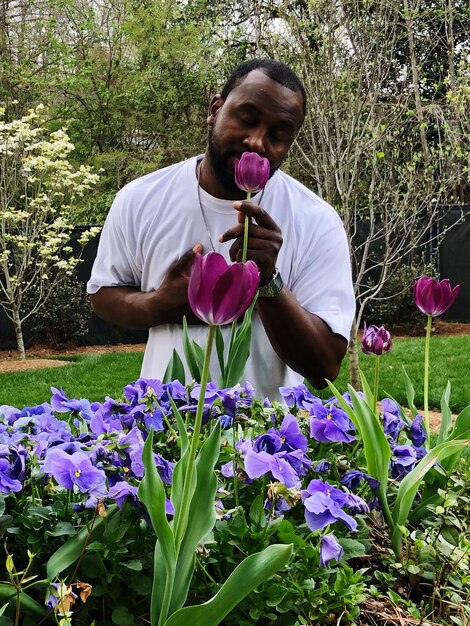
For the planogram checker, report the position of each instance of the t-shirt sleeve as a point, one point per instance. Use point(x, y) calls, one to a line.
point(115, 264)
point(323, 284)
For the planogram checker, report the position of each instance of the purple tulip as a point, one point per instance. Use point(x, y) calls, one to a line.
point(329, 549)
point(433, 297)
point(220, 293)
point(376, 340)
point(251, 172)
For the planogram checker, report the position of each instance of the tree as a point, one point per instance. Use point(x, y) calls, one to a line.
point(376, 144)
point(38, 185)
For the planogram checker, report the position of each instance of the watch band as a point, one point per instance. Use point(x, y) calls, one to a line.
point(273, 288)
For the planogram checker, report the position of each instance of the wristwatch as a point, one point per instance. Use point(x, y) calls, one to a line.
point(273, 288)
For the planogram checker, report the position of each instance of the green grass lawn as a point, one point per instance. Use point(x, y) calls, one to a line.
point(91, 376)
point(98, 375)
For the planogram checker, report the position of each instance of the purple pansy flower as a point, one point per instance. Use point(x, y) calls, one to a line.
point(324, 505)
point(259, 463)
point(291, 436)
point(330, 424)
point(329, 549)
point(61, 404)
point(403, 460)
point(322, 467)
point(71, 470)
point(122, 491)
point(299, 396)
point(417, 431)
point(353, 478)
point(8, 483)
point(143, 389)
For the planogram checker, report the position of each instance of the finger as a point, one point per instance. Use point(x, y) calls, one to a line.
point(184, 263)
point(256, 212)
point(254, 232)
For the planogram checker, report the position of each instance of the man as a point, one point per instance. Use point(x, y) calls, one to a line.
point(158, 222)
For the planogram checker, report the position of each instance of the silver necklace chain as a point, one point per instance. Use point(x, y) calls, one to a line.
point(198, 172)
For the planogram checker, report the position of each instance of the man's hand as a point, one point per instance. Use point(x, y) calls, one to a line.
point(264, 238)
point(173, 291)
point(132, 308)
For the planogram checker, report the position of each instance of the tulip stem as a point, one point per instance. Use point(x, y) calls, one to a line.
point(245, 231)
point(182, 522)
point(234, 465)
point(376, 385)
point(426, 378)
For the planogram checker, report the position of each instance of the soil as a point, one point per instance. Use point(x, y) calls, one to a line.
point(37, 356)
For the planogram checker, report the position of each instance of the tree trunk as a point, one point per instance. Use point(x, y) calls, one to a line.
point(19, 333)
point(353, 356)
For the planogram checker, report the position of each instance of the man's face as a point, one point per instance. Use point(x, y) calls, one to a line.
point(259, 115)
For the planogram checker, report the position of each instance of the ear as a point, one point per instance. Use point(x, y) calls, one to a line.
point(215, 105)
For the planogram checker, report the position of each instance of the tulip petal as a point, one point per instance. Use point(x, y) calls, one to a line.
point(234, 292)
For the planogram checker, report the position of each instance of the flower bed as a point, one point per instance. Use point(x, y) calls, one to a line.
point(78, 538)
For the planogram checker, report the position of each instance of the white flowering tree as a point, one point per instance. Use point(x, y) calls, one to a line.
point(38, 186)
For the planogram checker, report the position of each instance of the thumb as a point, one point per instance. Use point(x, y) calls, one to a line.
point(184, 263)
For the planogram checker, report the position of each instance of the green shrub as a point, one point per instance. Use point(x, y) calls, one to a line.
point(395, 307)
point(64, 317)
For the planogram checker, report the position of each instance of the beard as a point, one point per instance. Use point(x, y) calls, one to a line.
point(220, 163)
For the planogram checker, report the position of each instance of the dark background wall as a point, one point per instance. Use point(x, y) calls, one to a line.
point(450, 247)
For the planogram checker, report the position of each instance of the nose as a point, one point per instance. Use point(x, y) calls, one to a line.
point(255, 141)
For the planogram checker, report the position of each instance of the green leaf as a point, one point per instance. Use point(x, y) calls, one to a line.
point(180, 426)
point(376, 447)
point(70, 551)
point(368, 393)
point(410, 394)
point(219, 346)
point(461, 430)
point(446, 419)
point(122, 617)
point(201, 515)
point(174, 369)
point(193, 353)
point(411, 482)
point(179, 473)
point(134, 565)
point(257, 513)
point(251, 572)
point(239, 351)
point(28, 604)
point(352, 548)
point(152, 493)
point(462, 424)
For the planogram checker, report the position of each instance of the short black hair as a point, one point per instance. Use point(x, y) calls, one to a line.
point(275, 70)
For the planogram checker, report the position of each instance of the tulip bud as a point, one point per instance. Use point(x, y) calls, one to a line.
point(433, 297)
point(376, 340)
point(251, 172)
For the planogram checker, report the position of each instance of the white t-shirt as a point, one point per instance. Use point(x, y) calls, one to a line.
point(157, 218)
